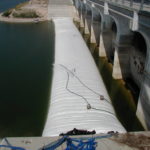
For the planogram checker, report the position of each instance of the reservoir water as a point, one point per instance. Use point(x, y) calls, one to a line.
point(26, 57)
point(6, 4)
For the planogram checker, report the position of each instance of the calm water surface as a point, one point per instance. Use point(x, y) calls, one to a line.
point(26, 57)
point(6, 4)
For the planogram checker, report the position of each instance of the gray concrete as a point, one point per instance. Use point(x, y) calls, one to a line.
point(132, 4)
point(60, 2)
point(61, 8)
point(120, 49)
point(129, 141)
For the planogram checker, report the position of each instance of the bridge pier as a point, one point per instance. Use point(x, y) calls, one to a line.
point(113, 28)
point(144, 103)
point(105, 44)
point(121, 42)
point(93, 37)
point(121, 62)
point(143, 111)
point(122, 48)
point(82, 9)
point(77, 5)
point(102, 50)
point(117, 73)
point(88, 20)
point(96, 26)
point(86, 28)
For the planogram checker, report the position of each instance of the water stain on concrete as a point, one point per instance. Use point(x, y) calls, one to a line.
point(139, 141)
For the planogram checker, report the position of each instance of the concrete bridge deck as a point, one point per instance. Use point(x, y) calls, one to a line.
point(60, 8)
point(76, 86)
point(133, 5)
point(129, 141)
point(75, 101)
point(113, 25)
point(126, 141)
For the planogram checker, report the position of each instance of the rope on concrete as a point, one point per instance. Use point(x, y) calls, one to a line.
point(100, 95)
point(87, 102)
point(83, 143)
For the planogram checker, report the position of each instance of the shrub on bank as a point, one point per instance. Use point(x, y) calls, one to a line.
point(7, 13)
point(19, 6)
point(27, 14)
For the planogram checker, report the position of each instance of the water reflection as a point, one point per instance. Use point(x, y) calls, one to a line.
point(26, 55)
point(6, 4)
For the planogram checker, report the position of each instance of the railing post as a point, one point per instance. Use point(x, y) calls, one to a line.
point(141, 5)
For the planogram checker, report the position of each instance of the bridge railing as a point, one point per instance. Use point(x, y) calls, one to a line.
point(143, 5)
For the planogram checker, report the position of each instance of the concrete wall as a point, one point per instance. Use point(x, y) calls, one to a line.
point(128, 61)
point(143, 111)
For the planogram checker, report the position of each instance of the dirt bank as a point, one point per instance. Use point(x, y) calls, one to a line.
point(31, 11)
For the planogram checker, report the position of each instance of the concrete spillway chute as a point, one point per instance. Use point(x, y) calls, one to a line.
point(77, 88)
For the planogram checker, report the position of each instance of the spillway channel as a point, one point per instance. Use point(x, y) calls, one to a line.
point(78, 97)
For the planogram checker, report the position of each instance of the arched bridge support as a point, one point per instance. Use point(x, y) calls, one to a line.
point(143, 111)
point(115, 41)
point(116, 27)
point(121, 46)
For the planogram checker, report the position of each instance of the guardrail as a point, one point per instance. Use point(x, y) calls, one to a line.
point(143, 5)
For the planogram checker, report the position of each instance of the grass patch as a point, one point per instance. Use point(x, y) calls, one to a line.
point(7, 13)
point(25, 14)
point(19, 6)
point(121, 97)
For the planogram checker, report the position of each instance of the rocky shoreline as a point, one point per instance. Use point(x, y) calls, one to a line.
point(31, 11)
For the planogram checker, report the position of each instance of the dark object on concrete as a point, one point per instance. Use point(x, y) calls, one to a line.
point(78, 132)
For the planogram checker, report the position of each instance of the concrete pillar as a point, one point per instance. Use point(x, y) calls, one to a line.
point(93, 37)
point(77, 12)
point(117, 74)
point(106, 8)
point(88, 19)
point(81, 21)
point(102, 50)
point(143, 112)
point(121, 65)
point(95, 26)
point(143, 109)
point(77, 6)
point(140, 114)
point(135, 23)
point(86, 29)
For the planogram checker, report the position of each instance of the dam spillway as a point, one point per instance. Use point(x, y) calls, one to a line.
point(78, 98)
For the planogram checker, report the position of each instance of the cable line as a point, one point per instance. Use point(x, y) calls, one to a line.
point(74, 92)
point(100, 95)
point(88, 104)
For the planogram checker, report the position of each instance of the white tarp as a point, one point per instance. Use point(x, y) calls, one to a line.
point(77, 85)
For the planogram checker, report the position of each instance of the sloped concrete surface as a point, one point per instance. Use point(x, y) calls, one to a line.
point(60, 8)
point(77, 86)
point(128, 141)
